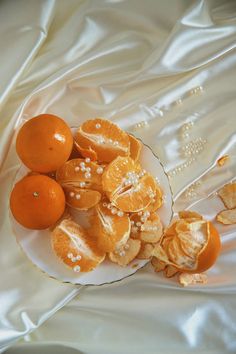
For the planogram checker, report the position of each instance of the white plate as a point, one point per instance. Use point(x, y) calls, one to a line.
point(37, 247)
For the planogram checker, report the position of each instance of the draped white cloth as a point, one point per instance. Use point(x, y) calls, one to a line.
point(165, 71)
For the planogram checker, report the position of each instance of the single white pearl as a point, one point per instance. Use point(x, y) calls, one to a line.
point(98, 126)
point(122, 253)
point(116, 143)
point(132, 222)
point(82, 164)
point(140, 213)
point(77, 196)
point(138, 223)
point(88, 169)
point(126, 247)
point(120, 213)
point(70, 255)
point(99, 170)
point(87, 159)
point(78, 257)
point(109, 206)
point(82, 184)
point(72, 194)
point(113, 211)
point(77, 169)
point(76, 268)
point(87, 175)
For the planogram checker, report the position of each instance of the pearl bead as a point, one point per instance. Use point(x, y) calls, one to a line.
point(138, 224)
point(132, 222)
point(99, 170)
point(113, 211)
point(98, 126)
point(110, 141)
point(82, 164)
point(120, 213)
point(77, 169)
point(69, 255)
point(78, 257)
point(126, 247)
point(109, 206)
point(76, 269)
point(72, 194)
point(87, 159)
point(77, 196)
point(122, 253)
point(115, 143)
point(140, 213)
point(87, 175)
point(82, 184)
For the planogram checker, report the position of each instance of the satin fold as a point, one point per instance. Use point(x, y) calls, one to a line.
point(166, 72)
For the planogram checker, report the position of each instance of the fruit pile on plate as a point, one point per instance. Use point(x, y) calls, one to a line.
point(96, 171)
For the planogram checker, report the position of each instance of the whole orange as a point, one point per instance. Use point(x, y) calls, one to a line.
point(37, 202)
point(44, 143)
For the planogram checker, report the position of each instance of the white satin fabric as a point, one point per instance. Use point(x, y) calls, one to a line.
point(152, 67)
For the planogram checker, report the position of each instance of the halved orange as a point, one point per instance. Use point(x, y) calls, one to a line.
point(110, 227)
point(104, 138)
point(127, 186)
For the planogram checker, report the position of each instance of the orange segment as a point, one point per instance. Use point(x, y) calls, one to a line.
point(37, 202)
point(73, 246)
point(128, 255)
point(128, 186)
point(103, 137)
point(80, 173)
point(157, 201)
point(109, 226)
point(81, 199)
point(135, 147)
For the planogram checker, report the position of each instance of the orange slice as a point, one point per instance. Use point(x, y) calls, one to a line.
point(109, 226)
point(80, 173)
point(146, 226)
point(190, 246)
point(104, 138)
point(81, 199)
point(123, 258)
point(135, 147)
point(127, 186)
point(73, 246)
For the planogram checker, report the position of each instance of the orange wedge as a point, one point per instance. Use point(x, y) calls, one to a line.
point(127, 255)
point(110, 227)
point(127, 186)
point(74, 247)
point(104, 138)
point(81, 199)
point(80, 173)
point(157, 200)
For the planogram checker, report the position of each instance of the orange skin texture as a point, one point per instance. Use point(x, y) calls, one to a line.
point(44, 143)
point(37, 211)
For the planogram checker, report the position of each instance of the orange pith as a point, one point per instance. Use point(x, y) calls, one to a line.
point(44, 143)
point(37, 202)
point(104, 138)
point(109, 227)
